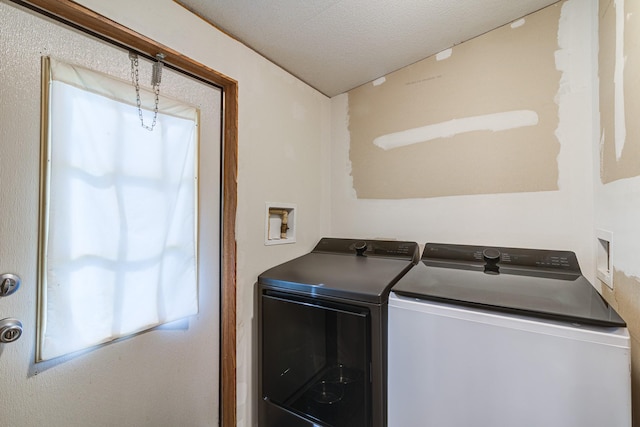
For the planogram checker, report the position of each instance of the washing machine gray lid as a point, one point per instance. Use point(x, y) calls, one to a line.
point(538, 283)
point(352, 269)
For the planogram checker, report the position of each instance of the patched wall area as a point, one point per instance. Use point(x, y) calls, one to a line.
point(479, 118)
point(619, 73)
point(560, 218)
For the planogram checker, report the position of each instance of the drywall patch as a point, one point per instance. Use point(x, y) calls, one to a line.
point(499, 72)
point(518, 23)
point(444, 54)
point(378, 82)
point(619, 67)
point(493, 122)
point(618, 81)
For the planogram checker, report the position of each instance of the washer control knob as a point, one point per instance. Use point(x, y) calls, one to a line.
point(491, 257)
point(360, 247)
point(10, 330)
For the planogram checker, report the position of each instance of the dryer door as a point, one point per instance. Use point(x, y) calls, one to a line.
point(315, 360)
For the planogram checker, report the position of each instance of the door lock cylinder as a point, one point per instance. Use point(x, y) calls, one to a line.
point(10, 330)
point(9, 284)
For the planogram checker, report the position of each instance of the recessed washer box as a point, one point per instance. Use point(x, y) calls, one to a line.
point(604, 257)
point(280, 223)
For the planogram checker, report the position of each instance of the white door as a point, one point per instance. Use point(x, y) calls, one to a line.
point(164, 377)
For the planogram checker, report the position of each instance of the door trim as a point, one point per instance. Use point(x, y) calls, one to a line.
point(95, 24)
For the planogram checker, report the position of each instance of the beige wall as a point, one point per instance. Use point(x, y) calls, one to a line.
point(535, 188)
point(479, 118)
point(595, 190)
point(619, 68)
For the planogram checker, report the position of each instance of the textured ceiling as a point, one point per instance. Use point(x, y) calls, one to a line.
point(336, 45)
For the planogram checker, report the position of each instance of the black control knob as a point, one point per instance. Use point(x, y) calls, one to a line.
point(360, 247)
point(491, 257)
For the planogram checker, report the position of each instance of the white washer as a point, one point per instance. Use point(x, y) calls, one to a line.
point(453, 364)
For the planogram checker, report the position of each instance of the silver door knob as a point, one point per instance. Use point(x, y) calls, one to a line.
point(10, 330)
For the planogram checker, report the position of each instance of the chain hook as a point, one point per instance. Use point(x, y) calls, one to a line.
point(156, 76)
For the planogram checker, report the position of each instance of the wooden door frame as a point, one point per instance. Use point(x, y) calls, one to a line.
point(95, 24)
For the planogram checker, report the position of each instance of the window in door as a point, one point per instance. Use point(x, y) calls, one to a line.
point(118, 246)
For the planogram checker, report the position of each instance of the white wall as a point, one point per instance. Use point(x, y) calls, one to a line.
point(556, 219)
point(618, 211)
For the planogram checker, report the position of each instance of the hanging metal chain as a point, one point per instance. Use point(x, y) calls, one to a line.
point(155, 83)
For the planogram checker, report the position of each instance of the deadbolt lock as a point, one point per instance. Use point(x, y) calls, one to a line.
point(9, 283)
point(10, 330)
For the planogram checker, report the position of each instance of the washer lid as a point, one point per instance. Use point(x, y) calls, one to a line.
point(539, 283)
point(358, 270)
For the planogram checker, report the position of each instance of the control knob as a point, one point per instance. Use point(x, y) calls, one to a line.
point(491, 257)
point(360, 248)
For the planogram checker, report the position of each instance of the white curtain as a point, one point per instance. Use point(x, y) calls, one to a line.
point(119, 247)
